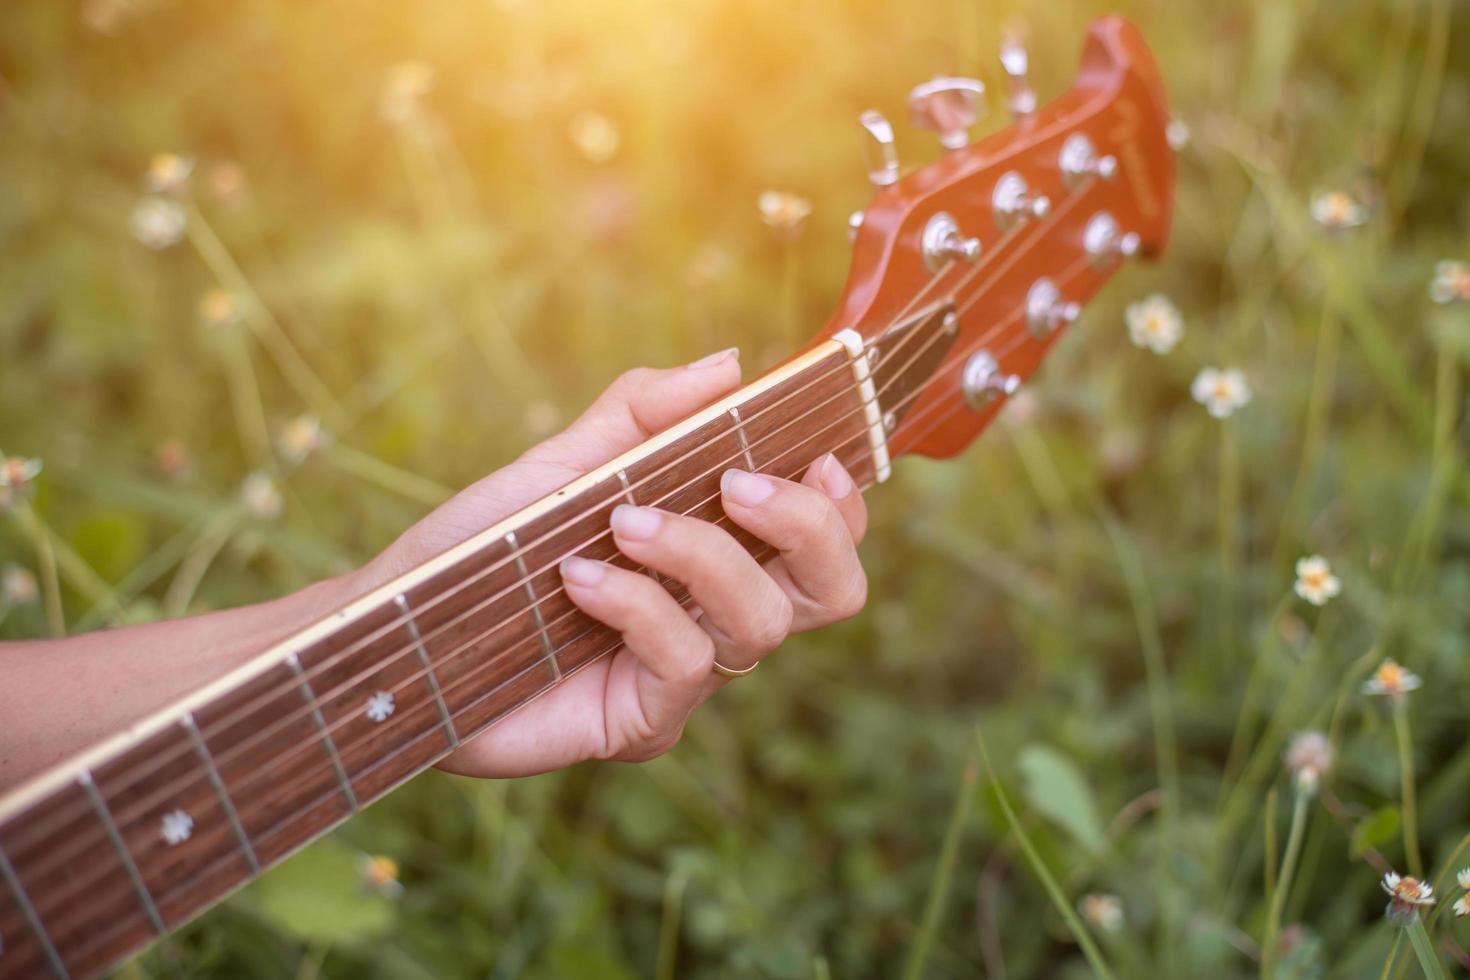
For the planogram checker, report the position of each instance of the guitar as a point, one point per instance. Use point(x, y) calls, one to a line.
point(965, 272)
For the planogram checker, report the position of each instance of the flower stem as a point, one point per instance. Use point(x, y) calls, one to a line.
point(939, 886)
point(1424, 950)
point(374, 470)
point(1406, 782)
point(1283, 884)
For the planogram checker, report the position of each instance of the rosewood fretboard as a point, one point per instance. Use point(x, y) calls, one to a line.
point(108, 851)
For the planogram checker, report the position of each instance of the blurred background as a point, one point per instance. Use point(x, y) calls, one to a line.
point(277, 277)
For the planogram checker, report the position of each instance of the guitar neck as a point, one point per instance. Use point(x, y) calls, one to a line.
point(106, 852)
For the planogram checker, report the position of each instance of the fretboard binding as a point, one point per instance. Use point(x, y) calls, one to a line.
point(744, 443)
point(120, 845)
point(53, 958)
point(520, 564)
point(326, 735)
point(225, 802)
point(430, 678)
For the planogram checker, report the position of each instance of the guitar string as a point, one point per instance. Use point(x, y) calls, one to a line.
point(1036, 230)
point(923, 389)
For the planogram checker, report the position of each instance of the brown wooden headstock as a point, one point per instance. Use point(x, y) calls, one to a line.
point(1012, 233)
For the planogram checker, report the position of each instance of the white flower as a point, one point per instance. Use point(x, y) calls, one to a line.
point(1154, 323)
point(1105, 912)
point(1308, 758)
point(159, 222)
point(168, 172)
point(177, 826)
point(1315, 581)
point(301, 437)
point(219, 308)
point(783, 210)
point(380, 706)
point(595, 136)
point(17, 586)
point(16, 476)
point(1405, 897)
point(1451, 283)
point(261, 498)
point(1462, 904)
point(1221, 392)
point(404, 88)
point(1338, 211)
point(379, 874)
point(1391, 680)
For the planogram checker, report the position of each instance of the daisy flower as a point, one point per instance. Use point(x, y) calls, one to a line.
point(17, 586)
point(1462, 904)
point(16, 476)
point(783, 210)
point(1315, 581)
point(1221, 392)
point(1308, 758)
point(168, 172)
point(1104, 912)
point(1338, 211)
point(301, 437)
point(1392, 681)
point(1405, 896)
point(1154, 323)
point(1451, 283)
point(379, 873)
point(261, 498)
point(158, 222)
point(219, 308)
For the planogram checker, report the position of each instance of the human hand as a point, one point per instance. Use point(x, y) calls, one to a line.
point(633, 705)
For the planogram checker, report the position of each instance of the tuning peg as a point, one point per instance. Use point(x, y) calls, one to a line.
point(949, 107)
point(1017, 65)
point(882, 157)
point(1079, 160)
point(983, 381)
point(942, 242)
point(1013, 200)
point(1045, 308)
point(1103, 239)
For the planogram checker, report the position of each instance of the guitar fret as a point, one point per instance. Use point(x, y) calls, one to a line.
point(321, 727)
point(627, 487)
point(226, 804)
point(744, 443)
point(113, 834)
point(430, 678)
point(53, 958)
point(862, 373)
point(520, 566)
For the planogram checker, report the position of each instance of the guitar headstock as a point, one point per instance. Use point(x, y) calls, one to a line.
point(994, 248)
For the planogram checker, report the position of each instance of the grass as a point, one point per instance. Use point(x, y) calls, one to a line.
point(1105, 580)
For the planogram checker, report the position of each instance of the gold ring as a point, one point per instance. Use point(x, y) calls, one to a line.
point(724, 671)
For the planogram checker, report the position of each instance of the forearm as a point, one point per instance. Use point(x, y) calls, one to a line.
point(60, 696)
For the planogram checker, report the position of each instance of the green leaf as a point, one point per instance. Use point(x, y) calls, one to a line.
point(318, 896)
point(1054, 787)
point(1380, 827)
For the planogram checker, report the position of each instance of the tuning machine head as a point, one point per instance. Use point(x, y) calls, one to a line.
point(1017, 65)
point(882, 156)
point(949, 107)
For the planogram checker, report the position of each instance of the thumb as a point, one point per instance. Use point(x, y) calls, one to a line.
point(637, 405)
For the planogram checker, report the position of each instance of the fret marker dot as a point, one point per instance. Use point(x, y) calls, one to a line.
point(177, 826)
point(380, 706)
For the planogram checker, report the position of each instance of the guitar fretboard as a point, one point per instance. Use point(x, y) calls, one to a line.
point(107, 852)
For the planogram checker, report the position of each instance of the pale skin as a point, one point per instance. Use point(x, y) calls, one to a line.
point(60, 696)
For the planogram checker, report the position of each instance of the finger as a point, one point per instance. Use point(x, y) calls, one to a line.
point(638, 404)
point(819, 566)
point(829, 476)
point(744, 610)
point(673, 654)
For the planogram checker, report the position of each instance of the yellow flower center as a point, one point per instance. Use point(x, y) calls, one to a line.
point(1409, 890)
point(1391, 676)
point(1222, 390)
point(1315, 580)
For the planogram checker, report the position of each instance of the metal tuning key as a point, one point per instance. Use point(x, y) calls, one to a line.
point(1079, 160)
point(1013, 200)
point(983, 381)
point(1103, 239)
point(882, 156)
point(942, 241)
point(1017, 65)
point(949, 107)
point(1046, 309)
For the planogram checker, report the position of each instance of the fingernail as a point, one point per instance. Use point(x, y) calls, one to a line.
point(834, 478)
point(635, 523)
point(746, 489)
point(718, 357)
point(582, 571)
